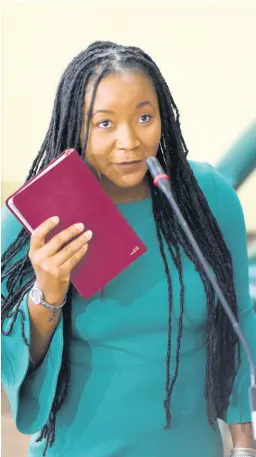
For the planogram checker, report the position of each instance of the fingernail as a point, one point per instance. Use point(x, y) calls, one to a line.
point(55, 219)
point(79, 226)
point(88, 234)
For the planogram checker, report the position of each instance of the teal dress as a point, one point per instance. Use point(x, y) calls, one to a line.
point(118, 352)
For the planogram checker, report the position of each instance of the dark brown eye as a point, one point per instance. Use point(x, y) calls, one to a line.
point(105, 124)
point(145, 118)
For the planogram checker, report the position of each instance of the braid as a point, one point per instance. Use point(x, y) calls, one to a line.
point(14, 248)
point(99, 59)
point(157, 216)
point(48, 431)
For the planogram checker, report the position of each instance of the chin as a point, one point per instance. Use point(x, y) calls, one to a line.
point(128, 185)
point(131, 178)
point(129, 182)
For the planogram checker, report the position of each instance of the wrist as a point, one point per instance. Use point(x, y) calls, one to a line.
point(42, 314)
point(53, 299)
point(38, 299)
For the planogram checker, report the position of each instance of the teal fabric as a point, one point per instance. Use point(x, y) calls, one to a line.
point(118, 352)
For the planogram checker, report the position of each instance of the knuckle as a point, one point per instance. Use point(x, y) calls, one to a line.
point(72, 232)
point(52, 271)
point(78, 256)
point(63, 274)
point(46, 267)
point(72, 262)
point(75, 257)
point(57, 273)
point(35, 259)
point(75, 245)
point(62, 238)
point(68, 249)
point(67, 234)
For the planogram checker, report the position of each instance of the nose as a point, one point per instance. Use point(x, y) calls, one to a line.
point(127, 139)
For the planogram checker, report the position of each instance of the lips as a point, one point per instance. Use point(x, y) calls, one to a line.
point(129, 163)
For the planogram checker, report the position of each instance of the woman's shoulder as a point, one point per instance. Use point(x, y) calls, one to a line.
point(204, 172)
point(219, 192)
point(210, 179)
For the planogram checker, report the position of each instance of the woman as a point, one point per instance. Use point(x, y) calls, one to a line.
point(147, 368)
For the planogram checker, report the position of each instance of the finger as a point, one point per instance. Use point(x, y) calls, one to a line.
point(39, 234)
point(55, 244)
point(72, 248)
point(71, 263)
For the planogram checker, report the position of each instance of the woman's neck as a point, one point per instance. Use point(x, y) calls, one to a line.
point(126, 195)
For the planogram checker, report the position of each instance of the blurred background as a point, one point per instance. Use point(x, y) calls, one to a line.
point(206, 52)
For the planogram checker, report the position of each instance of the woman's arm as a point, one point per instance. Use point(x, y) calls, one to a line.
point(41, 331)
point(242, 435)
point(230, 217)
point(30, 393)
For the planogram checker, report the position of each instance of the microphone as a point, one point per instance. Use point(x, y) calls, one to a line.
point(161, 180)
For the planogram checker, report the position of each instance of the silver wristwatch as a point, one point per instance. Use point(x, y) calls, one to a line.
point(37, 298)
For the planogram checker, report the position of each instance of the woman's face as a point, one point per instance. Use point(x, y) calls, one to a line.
point(125, 127)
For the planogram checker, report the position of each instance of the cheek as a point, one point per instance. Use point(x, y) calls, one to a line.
point(98, 149)
point(152, 133)
point(151, 139)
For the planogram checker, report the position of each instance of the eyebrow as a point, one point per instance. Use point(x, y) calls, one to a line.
point(139, 105)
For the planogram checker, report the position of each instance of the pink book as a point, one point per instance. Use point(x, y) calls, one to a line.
point(68, 189)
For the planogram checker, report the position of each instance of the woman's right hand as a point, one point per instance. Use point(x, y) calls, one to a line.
point(53, 263)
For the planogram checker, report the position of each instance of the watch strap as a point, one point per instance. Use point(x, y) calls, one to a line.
point(53, 308)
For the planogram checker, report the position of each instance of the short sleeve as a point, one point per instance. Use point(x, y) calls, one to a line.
point(232, 224)
point(30, 394)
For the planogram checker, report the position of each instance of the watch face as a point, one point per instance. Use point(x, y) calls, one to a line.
point(36, 296)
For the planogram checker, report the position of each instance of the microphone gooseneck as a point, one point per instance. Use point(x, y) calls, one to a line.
point(160, 180)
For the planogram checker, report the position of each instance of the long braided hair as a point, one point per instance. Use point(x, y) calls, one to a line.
point(93, 64)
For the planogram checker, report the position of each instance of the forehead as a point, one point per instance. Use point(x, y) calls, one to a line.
point(122, 88)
